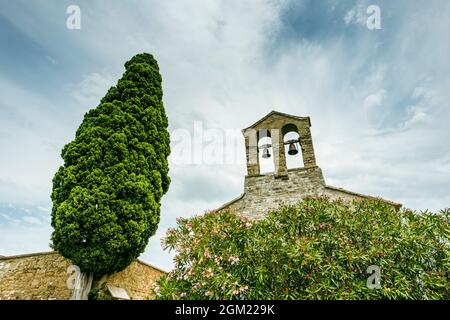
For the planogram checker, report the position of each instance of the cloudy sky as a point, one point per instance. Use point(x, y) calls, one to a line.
point(378, 99)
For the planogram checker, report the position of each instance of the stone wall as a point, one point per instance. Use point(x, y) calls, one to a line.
point(137, 279)
point(267, 192)
point(40, 276)
point(43, 276)
point(264, 193)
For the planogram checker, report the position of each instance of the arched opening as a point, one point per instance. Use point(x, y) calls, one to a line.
point(265, 152)
point(292, 147)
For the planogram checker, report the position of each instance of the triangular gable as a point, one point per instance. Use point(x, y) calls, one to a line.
point(273, 112)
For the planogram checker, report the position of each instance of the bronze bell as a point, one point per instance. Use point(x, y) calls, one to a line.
point(292, 149)
point(266, 153)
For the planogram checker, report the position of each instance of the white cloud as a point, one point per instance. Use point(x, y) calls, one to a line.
point(10, 219)
point(356, 15)
point(91, 89)
point(32, 220)
point(374, 99)
point(379, 119)
point(44, 209)
point(51, 60)
point(21, 239)
point(32, 137)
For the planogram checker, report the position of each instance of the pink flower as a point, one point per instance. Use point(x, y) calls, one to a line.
point(208, 273)
point(207, 254)
point(233, 260)
point(242, 289)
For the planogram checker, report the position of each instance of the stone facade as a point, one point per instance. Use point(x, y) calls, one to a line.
point(43, 276)
point(40, 276)
point(266, 192)
point(276, 125)
point(137, 279)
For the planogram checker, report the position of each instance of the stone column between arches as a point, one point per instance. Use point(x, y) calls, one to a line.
point(279, 155)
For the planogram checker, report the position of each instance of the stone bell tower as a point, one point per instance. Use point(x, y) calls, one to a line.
point(264, 192)
point(277, 125)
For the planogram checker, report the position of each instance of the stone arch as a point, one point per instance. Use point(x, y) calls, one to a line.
point(264, 142)
point(274, 122)
point(291, 139)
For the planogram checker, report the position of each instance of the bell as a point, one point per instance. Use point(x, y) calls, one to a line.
point(266, 153)
point(292, 149)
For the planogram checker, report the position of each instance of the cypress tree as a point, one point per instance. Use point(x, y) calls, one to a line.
point(106, 196)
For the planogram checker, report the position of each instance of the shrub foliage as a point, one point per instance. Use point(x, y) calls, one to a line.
point(317, 249)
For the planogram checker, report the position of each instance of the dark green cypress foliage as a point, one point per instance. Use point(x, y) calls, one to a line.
point(106, 196)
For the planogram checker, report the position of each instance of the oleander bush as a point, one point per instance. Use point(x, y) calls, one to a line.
point(316, 249)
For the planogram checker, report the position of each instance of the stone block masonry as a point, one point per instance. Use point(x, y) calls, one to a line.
point(267, 192)
point(43, 276)
point(264, 193)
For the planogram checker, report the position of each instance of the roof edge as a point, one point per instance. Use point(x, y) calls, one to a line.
point(150, 265)
point(279, 113)
point(395, 204)
point(230, 202)
point(26, 255)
